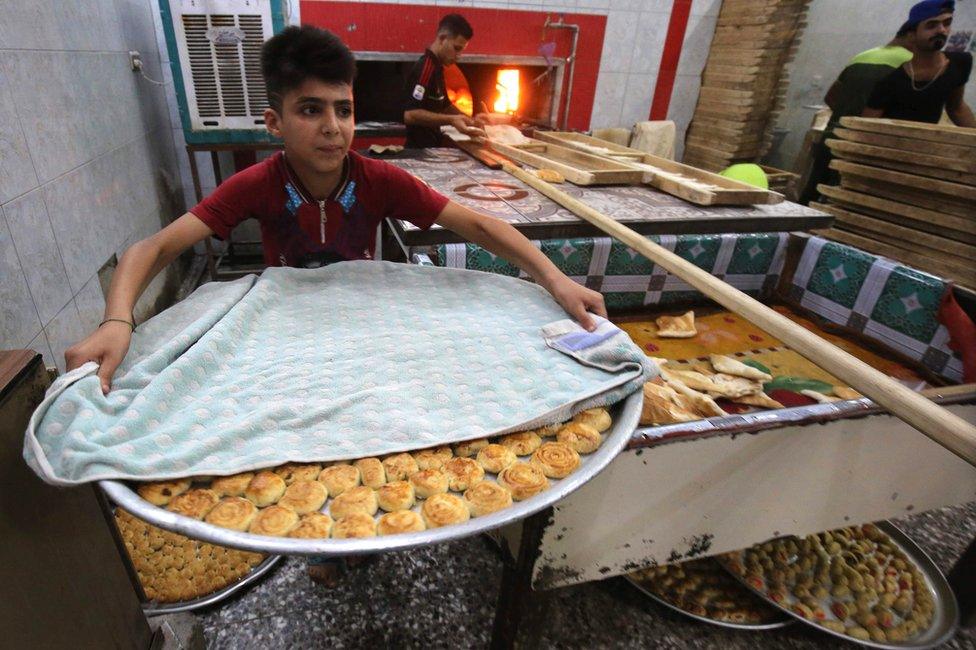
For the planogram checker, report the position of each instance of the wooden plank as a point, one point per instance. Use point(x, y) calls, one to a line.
point(948, 134)
point(908, 197)
point(934, 265)
point(911, 145)
point(684, 181)
point(923, 183)
point(577, 167)
point(869, 155)
point(892, 232)
point(958, 228)
point(911, 157)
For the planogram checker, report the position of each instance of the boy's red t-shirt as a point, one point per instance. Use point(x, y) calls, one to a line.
point(297, 230)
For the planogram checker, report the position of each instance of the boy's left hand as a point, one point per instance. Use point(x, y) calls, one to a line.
point(577, 300)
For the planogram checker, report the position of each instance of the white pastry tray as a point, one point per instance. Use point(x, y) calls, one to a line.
point(945, 619)
point(625, 415)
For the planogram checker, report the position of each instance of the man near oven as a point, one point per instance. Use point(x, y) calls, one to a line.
point(427, 107)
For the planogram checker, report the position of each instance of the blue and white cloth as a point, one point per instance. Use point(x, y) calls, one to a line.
point(354, 359)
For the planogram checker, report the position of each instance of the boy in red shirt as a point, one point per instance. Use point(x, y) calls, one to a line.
point(317, 202)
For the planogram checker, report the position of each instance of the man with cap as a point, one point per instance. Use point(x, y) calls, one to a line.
point(427, 107)
point(933, 80)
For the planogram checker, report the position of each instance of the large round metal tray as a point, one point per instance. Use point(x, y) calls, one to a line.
point(157, 609)
point(625, 414)
point(945, 618)
point(756, 627)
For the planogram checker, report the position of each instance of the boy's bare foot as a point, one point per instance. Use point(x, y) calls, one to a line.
point(327, 574)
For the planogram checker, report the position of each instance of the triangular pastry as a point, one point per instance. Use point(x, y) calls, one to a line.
point(731, 366)
point(676, 327)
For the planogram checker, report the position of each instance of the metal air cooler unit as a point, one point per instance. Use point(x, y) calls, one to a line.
point(215, 53)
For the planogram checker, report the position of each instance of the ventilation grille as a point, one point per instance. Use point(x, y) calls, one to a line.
point(226, 76)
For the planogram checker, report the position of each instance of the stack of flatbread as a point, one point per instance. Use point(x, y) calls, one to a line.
point(680, 395)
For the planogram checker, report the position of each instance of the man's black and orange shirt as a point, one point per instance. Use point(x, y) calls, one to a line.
point(425, 89)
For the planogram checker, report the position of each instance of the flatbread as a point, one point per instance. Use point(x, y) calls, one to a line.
point(676, 327)
point(695, 400)
point(819, 397)
point(759, 399)
point(731, 366)
point(505, 134)
point(732, 387)
point(660, 406)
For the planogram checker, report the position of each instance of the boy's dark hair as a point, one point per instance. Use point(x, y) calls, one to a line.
point(455, 25)
point(299, 53)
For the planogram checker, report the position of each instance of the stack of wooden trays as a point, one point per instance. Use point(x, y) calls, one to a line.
point(908, 192)
point(744, 81)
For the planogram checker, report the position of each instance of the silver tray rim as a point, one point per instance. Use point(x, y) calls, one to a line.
point(151, 608)
point(626, 415)
point(758, 627)
point(946, 610)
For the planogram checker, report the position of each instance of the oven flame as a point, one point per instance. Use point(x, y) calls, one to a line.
point(507, 85)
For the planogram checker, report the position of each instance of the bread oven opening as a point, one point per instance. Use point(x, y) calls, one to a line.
point(525, 87)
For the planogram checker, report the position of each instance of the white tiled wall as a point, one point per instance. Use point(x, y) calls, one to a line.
point(87, 163)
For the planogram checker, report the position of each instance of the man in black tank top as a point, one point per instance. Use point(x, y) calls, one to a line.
point(933, 80)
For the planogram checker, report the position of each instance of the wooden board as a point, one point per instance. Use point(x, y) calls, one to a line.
point(577, 167)
point(911, 157)
point(894, 233)
point(922, 183)
point(726, 191)
point(875, 156)
point(907, 196)
point(945, 133)
point(934, 265)
point(966, 155)
point(958, 228)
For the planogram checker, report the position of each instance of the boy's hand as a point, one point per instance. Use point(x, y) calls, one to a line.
point(466, 125)
point(577, 300)
point(105, 346)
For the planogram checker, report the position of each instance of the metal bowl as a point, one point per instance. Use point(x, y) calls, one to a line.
point(625, 414)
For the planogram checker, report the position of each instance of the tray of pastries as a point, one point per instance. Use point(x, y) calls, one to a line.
point(179, 574)
point(399, 501)
point(869, 584)
point(703, 590)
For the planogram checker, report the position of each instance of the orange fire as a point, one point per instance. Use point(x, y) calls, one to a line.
point(508, 91)
point(458, 92)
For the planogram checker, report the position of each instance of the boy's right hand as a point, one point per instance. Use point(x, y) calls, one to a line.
point(106, 346)
point(467, 126)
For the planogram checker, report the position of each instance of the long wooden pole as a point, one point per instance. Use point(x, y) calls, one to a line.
point(947, 429)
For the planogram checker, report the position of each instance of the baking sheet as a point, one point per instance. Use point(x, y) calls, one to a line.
point(258, 572)
point(945, 617)
point(625, 416)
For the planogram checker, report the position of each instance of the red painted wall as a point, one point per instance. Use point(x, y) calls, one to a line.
point(380, 27)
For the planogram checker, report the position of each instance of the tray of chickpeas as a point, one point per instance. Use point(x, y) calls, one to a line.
point(399, 501)
point(869, 584)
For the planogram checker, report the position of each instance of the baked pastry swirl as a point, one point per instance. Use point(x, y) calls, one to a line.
point(402, 521)
point(356, 524)
point(494, 458)
point(274, 521)
point(523, 480)
point(292, 472)
point(231, 486)
point(371, 471)
point(357, 499)
point(265, 488)
point(195, 503)
point(428, 482)
point(581, 437)
point(470, 447)
point(443, 510)
point(522, 443)
point(235, 513)
point(314, 525)
point(598, 418)
point(304, 496)
point(399, 466)
point(549, 431)
point(433, 458)
point(486, 497)
point(556, 459)
point(160, 493)
point(462, 473)
point(396, 495)
point(339, 478)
